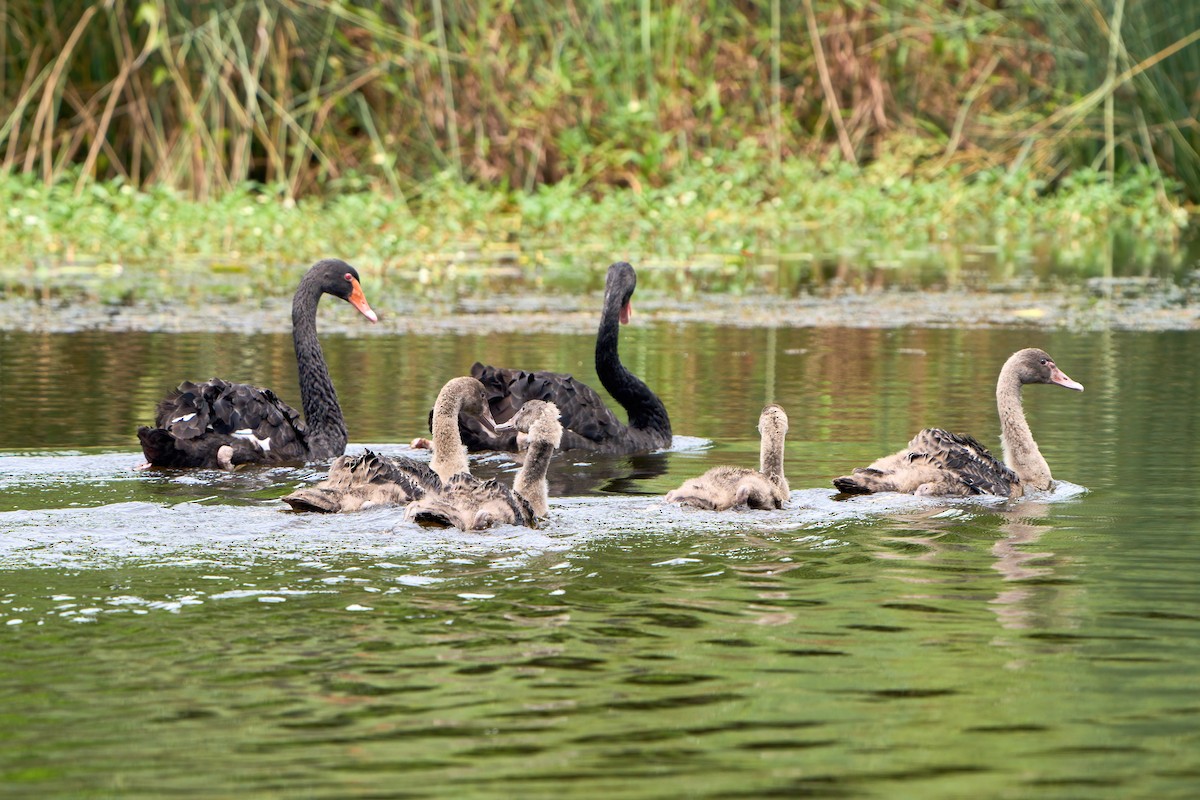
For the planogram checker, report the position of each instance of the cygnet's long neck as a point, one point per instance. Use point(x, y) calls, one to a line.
point(449, 454)
point(1021, 453)
point(770, 459)
point(544, 436)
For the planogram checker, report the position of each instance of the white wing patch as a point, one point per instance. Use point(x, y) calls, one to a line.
point(184, 418)
point(248, 435)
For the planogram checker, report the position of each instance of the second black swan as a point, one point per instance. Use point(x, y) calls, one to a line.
point(588, 424)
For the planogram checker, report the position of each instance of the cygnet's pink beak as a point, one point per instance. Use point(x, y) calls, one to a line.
point(487, 420)
point(1060, 377)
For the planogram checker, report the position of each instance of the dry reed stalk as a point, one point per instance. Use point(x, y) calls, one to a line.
point(1114, 49)
point(960, 120)
point(30, 84)
point(1075, 112)
point(447, 87)
point(827, 85)
point(42, 118)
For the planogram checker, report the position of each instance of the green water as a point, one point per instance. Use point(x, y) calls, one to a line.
point(180, 635)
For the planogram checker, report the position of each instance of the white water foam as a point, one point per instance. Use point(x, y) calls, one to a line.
point(214, 533)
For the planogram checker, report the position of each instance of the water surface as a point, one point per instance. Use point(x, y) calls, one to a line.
point(171, 634)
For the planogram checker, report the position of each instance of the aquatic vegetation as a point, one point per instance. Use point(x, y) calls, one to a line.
point(725, 225)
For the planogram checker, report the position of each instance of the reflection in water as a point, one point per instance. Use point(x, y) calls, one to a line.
point(1039, 596)
point(920, 540)
point(1021, 528)
point(935, 549)
point(1017, 607)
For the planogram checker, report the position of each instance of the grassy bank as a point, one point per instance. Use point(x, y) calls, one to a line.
point(728, 225)
point(162, 149)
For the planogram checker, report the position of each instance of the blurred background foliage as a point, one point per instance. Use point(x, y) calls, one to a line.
point(320, 98)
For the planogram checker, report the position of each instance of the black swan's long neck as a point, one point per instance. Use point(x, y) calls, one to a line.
point(645, 410)
point(1021, 453)
point(326, 428)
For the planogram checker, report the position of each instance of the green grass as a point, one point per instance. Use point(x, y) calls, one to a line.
point(726, 224)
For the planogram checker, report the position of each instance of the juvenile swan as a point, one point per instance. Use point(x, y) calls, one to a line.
point(222, 424)
point(722, 488)
point(467, 503)
point(361, 481)
point(945, 464)
point(537, 424)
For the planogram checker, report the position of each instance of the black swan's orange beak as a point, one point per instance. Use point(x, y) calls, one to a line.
point(1060, 377)
point(359, 300)
point(626, 313)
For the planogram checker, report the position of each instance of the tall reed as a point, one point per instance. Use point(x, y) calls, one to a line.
point(204, 96)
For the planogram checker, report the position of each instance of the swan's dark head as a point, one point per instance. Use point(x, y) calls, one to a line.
point(1032, 365)
point(773, 421)
point(339, 279)
point(618, 289)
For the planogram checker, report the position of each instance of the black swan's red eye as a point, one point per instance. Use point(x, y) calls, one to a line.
point(350, 278)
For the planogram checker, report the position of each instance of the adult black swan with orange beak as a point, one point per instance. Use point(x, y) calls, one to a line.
point(221, 424)
point(588, 424)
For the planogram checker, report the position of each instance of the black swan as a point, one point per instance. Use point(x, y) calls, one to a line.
point(722, 488)
point(222, 424)
point(588, 423)
point(365, 480)
point(943, 464)
point(467, 503)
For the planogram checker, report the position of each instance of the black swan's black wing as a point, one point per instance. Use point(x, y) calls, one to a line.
point(586, 420)
point(195, 420)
